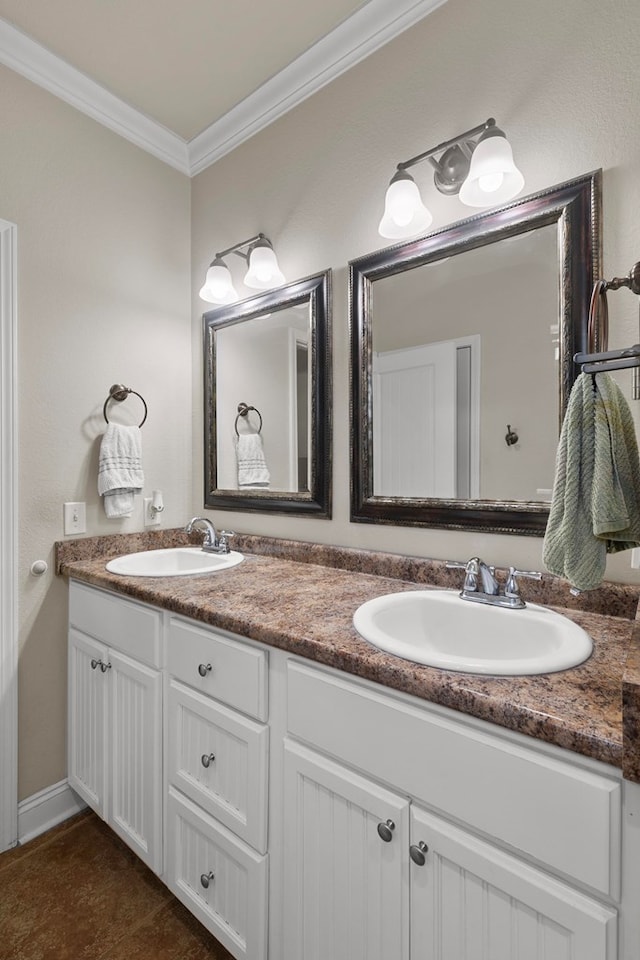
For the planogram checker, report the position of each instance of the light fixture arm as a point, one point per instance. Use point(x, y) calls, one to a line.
point(460, 140)
point(245, 243)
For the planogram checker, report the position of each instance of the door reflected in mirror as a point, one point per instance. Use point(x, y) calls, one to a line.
point(267, 401)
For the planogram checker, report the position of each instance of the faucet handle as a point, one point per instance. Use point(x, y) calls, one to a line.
point(223, 539)
point(458, 565)
point(471, 572)
point(511, 588)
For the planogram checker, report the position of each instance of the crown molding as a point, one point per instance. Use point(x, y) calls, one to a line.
point(31, 60)
point(372, 26)
point(368, 29)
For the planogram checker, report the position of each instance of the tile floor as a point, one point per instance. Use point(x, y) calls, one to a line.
point(78, 893)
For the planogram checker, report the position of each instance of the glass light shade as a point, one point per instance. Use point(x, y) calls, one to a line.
point(404, 215)
point(263, 271)
point(493, 176)
point(218, 286)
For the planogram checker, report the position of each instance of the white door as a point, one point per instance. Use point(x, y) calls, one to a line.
point(8, 538)
point(88, 704)
point(414, 416)
point(346, 887)
point(470, 901)
point(135, 770)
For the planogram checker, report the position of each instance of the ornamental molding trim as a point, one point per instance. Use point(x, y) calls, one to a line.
point(371, 27)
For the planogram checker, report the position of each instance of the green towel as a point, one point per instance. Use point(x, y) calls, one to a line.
point(595, 508)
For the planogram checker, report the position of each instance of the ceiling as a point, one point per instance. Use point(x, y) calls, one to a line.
point(189, 81)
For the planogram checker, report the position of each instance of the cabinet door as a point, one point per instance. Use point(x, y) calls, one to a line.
point(87, 754)
point(346, 889)
point(135, 771)
point(470, 901)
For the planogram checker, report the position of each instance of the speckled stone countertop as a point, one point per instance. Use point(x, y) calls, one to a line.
point(301, 597)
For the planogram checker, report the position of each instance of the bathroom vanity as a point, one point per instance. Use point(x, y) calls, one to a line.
point(307, 796)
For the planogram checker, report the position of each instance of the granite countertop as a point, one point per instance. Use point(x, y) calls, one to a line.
point(301, 598)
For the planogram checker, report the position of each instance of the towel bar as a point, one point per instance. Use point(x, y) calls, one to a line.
point(119, 393)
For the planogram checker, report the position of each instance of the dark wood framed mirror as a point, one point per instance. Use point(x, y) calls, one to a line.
point(267, 401)
point(462, 346)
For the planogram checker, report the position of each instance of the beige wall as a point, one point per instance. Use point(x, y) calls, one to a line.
point(562, 79)
point(103, 297)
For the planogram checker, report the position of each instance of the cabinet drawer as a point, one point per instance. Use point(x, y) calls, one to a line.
point(219, 758)
point(564, 816)
point(221, 880)
point(129, 627)
point(234, 672)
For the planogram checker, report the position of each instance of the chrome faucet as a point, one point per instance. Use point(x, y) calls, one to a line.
point(481, 586)
point(211, 543)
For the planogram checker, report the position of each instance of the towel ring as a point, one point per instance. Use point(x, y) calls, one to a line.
point(243, 411)
point(119, 393)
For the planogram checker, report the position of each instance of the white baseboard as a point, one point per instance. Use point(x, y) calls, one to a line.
point(46, 809)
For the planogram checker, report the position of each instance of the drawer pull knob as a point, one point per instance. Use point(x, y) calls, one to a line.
point(385, 830)
point(207, 758)
point(104, 666)
point(204, 669)
point(95, 663)
point(418, 852)
point(206, 879)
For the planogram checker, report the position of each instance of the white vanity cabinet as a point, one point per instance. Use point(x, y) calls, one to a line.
point(483, 848)
point(310, 815)
point(115, 715)
point(217, 772)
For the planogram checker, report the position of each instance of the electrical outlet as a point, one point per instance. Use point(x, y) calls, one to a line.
point(75, 518)
point(151, 519)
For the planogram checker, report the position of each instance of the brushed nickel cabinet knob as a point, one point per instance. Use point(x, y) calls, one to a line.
point(418, 853)
point(204, 669)
point(385, 830)
point(207, 759)
point(206, 879)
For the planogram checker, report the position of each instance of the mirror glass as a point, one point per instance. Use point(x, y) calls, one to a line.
point(267, 382)
point(462, 353)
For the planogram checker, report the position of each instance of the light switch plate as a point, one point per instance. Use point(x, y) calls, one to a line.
point(75, 518)
point(635, 558)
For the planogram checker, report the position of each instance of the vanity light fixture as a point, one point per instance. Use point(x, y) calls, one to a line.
point(263, 271)
point(478, 165)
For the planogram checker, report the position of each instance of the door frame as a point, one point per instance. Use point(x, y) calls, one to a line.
point(8, 537)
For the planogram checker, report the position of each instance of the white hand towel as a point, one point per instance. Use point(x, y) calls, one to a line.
point(252, 465)
point(120, 469)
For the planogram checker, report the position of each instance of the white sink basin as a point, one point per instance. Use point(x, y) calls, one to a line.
point(437, 628)
point(173, 562)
